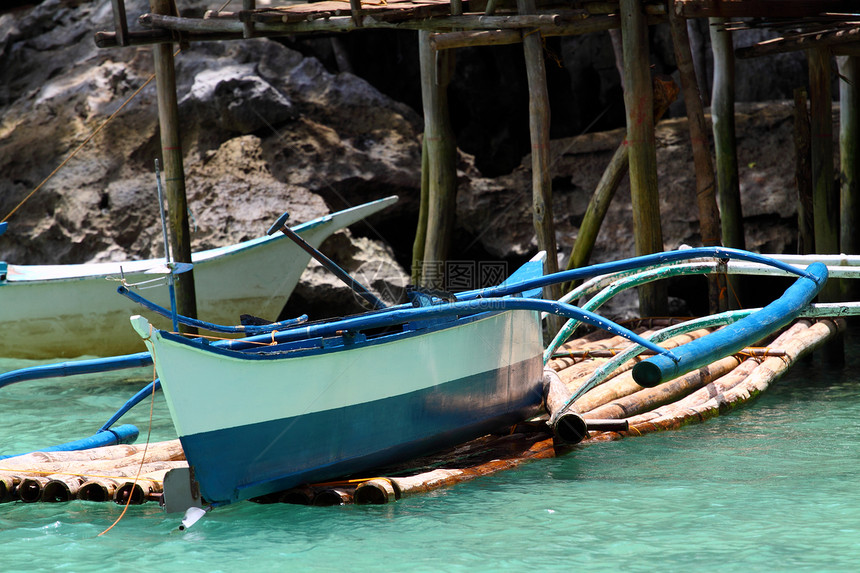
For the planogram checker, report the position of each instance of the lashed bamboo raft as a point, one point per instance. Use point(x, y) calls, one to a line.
point(117, 472)
point(99, 474)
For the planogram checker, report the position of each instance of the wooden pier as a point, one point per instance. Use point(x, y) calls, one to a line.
point(125, 474)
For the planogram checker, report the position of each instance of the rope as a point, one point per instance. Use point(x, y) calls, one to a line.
point(84, 143)
point(142, 458)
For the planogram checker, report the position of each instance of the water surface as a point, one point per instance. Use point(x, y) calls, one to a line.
point(772, 486)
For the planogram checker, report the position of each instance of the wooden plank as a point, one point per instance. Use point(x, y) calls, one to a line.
point(762, 8)
point(801, 42)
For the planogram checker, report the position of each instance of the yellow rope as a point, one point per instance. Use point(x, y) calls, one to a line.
point(143, 457)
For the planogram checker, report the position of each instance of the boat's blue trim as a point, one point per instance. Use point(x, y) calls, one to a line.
point(736, 336)
point(125, 434)
point(248, 461)
point(400, 315)
point(188, 321)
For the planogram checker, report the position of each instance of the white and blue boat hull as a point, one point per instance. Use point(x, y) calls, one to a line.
point(255, 423)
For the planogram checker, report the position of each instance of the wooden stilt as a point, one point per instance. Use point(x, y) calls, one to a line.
point(665, 93)
point(725, 145)
point(825, 196)
point(849, 171)
point(174, 184)
point(803, 175)
point(706, 200)
point(539, 122)
point(441, 153)
point(647, 229)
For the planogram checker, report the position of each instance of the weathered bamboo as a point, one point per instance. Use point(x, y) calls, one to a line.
point(539, 125)
point(706, 200)
point(849, 157)
point(138, 491)
point(647, 229)
point(759, 379)
point(248, 25)
point(428, 481)
point(621, 383)
point(441, 155)
point(333, 496)
point(114, 456)
point(375, 492)
point(30, 489)
point(61, 488)
point(7, 487)
point(174, 173)
point(98, 489)
point(650, 398)
point(803, 175)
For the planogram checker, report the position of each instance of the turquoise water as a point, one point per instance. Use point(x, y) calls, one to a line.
point(773, 486)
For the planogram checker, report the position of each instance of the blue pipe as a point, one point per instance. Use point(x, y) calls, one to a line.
point(401, 315)
point(62, 369)
point(125, 434)
point(132, 402)
point(249, 329)
point(736, 336)
point(631, 263)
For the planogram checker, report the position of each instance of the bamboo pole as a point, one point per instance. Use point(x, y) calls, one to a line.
point(849, 156)
point(653, 298)
point(539, 125)
point(751, 386)
point(803, 175)
point(650, 398)
point(706, 200)
point(174, 173)
point(421, 226)
point(441, 156)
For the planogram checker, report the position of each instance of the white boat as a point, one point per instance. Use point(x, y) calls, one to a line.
point(325, 400)
point(56, 311)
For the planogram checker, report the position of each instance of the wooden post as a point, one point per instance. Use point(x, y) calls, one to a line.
point(706, 200)
point(849, 170)
point(647, 230)
point(441, 153)
point(174, 175)
point(725, 145)
point(665, 93)
point(539, 118)
point(825, 196)
point(248, 25)
point(803, 175)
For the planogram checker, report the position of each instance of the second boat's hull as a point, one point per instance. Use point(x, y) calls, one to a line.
point(251, 426)
point(47, 315)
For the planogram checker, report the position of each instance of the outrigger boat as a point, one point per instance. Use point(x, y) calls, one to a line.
point(50, 311)
point(319, 401)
